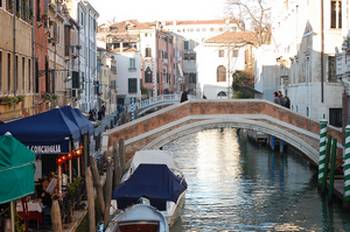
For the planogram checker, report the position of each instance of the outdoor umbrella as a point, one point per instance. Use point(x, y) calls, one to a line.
point(17, 170)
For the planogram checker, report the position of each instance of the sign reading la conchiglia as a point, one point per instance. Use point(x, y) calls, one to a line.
point(45, 149)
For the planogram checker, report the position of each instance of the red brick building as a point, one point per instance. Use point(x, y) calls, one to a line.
point(41, 51)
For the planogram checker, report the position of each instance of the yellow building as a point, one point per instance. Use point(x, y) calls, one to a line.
point(16, 65)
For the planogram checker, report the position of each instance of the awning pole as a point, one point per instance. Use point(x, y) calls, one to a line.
point(79, 166)
point(12, 205)
point(70, 163)
point(60, 179)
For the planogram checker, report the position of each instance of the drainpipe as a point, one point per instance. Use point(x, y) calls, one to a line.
point(33, 77)
point(322, 52)
point(14, 48)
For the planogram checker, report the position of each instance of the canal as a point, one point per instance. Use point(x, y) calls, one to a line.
point(235, 185)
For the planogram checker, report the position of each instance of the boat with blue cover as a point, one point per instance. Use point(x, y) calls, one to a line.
point(159, 184)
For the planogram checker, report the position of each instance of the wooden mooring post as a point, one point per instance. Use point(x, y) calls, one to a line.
point(91, 200)
point(333, 159)
point(122, 154)
point(109, 185)
point(56, 217)
point(98, 184)
point(321, 164)
point(346, 158)
point(117, 169)
point(326, 163)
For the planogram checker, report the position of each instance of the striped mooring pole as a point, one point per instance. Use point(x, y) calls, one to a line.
point(322, 158)
point(346, 167)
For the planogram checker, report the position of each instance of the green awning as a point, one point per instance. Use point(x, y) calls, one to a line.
point(17, 169)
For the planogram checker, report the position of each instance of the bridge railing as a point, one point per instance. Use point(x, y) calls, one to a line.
point(155, 100)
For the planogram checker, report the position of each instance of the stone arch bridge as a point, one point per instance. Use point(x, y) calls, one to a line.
point(161, 127)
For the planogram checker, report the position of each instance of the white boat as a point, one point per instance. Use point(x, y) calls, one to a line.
point(139, 217)
point(154, 175)
point(151, 157)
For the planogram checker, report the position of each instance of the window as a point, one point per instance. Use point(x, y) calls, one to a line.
point(38, 13)
point(148, 75)
point(332, 69)
point(335, 117)
point(24, 14)
point(9, 6)
point(186, 45)
point(67, 40)
point(18, 8)
point(30, 11)
point(82, 19)
point(8, 73)
point(336, 14)
point(221, 53)
point(29, 75)
point(132, 84)
point(235, 53)
point(16, 75)
point(148, 52)
point(221, 74)
point(192, 79)
point(37, 76)
point(132, 64)
point(23, 74)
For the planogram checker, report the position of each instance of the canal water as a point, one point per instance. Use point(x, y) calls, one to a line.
point(236, 185)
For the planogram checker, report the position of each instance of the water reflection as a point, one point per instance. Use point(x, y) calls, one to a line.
point(237, 186)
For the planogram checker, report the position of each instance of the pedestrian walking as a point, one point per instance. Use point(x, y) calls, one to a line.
point(184, 96)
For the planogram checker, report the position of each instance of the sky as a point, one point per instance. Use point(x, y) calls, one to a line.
point(150, 10)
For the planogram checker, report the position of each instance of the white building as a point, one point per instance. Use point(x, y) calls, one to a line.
point(194, 33)
point(218, 58)
point(305, 44)
point(86, 15)
point(129, 76)
point(343, 61)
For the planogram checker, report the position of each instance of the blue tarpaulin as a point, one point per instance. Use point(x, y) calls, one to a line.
point(75, 115)
point(153, 181)
point(45, 133)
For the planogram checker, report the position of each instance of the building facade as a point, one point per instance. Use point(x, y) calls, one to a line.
point(218, 58)
point(194, 34)
point(16, 60)
point(343, 61)
point(305, 35)
point(107, 78)
point(41, 28)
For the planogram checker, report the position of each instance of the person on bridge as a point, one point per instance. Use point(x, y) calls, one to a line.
point(184, 96)
point(276, 98)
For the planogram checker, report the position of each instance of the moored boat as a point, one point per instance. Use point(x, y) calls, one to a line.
point(139, 217)
point(156, 179)
point(151, 157)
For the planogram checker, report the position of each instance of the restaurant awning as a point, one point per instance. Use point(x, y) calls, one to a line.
point(45, 133)
point(16, 169)
point(82, 122)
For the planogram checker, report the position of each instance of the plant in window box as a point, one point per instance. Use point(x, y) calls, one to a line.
point(11, 100)
point(50, 97)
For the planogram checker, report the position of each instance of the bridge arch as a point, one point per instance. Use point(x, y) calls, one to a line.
point(164, 126)
point(240, 123)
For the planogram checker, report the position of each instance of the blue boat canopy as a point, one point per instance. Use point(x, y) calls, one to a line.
point(153, 181)
point(45, 133)
point(75, 115)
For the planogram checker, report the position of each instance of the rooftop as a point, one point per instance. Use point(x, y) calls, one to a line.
point(234, 37)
